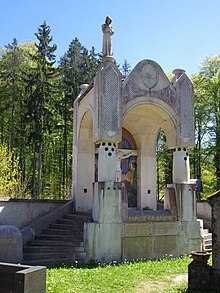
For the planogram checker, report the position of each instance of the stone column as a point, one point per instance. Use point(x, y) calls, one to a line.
point(107, 161)
point(181, 169)
point(146, 163)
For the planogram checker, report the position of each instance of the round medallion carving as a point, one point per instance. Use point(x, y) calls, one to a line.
point(149, 76)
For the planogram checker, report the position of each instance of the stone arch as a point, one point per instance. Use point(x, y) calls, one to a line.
point(129, 168)
point(158, 111)
point(143, 117)
point(85, 162)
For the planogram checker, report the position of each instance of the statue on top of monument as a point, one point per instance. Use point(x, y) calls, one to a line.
point(107, 37)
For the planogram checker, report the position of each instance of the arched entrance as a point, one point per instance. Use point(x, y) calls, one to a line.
point(143, 119)
point(85, 164)
point(129, 169)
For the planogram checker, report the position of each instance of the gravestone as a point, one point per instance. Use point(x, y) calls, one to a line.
point(11, 244)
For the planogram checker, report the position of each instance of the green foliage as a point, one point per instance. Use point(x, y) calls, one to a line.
point(125, 68)
point(164, 164)
point(40, 101)
point(126, 277)
point(36, 110)
point(36, 115)
point(206, 154)
point(9, 173)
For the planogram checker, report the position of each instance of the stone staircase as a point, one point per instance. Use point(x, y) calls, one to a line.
point(61, 242)
point(207, 240)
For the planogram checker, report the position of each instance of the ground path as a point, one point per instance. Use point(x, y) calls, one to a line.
point(160, 285)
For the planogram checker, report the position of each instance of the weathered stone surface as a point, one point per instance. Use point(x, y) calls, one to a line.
point(103, 242)
point(107, 103)
point(162, 229)
point(166, 246)
point(137, 248)
point(22, 279)
point(11, 244)
point(136, 230)
point(107, 207)
point(148, 79)
point(140, 105)
point(21, 212)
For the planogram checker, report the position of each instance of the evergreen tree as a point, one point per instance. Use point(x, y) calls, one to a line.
point(77, 66)
point(10, 74)
point(126, 68)
point(40, 90)
point(164, 164)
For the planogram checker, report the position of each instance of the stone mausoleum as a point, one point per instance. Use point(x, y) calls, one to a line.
point(116, 124)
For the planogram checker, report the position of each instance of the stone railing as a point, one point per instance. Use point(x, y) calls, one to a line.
point(29, 232)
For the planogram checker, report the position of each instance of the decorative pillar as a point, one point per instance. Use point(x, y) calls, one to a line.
point(107, 162)
point(181, 169)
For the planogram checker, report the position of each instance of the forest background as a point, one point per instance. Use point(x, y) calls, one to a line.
point(36, 118)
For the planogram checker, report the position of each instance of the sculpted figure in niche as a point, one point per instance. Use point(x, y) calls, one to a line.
point(107, 37)
point(121, 155)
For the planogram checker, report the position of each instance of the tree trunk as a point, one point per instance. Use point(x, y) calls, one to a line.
point(34, 171)
point(217, 154)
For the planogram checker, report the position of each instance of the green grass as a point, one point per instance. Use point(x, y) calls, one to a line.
point(141, 276)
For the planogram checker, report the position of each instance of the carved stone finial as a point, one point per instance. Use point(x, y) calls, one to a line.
point(178, 72)
point(107, 40)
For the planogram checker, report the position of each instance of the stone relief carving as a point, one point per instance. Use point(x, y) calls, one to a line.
point(167, 95)
point(111, 121)
point(149, 75)
point(148, 79)
point(186, 106)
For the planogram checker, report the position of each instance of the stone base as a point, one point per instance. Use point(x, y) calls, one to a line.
point(108, 58)
point(103, 242)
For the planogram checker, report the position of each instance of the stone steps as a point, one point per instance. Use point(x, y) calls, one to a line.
point(59, 237)
point(65, 227)
point(207, 240)
point(48, 249)
point(51, 231)
point(79, 217)
point(61, 242)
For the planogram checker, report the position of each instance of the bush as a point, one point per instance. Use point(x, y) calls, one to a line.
point(9, 173)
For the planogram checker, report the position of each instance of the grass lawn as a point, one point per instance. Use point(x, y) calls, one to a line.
point(167, 275)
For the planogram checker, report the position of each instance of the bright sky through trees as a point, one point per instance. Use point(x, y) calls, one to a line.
point(173, 33)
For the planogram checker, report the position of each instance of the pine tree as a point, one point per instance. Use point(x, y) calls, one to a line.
point(126, 68)
point(10, 74)
point(41, 79)
point(77, 66)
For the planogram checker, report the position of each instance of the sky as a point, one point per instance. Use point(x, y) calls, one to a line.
point(175, 34)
